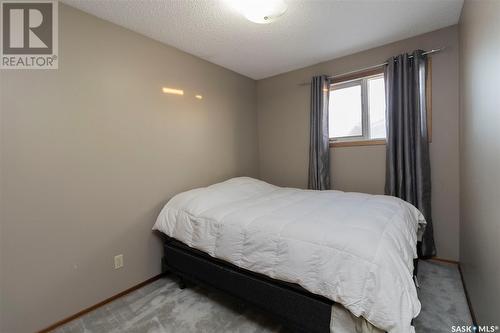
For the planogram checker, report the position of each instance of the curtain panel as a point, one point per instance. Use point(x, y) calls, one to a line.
point(319, 147)
point(408, 171)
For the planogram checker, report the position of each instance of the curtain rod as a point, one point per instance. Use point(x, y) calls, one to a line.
point(371, 67)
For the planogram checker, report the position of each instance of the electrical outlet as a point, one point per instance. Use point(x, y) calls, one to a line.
point(119, 261)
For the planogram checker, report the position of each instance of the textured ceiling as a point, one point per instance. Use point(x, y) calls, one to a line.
point(308, 33)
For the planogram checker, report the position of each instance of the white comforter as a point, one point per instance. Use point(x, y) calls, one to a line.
point(355, 249)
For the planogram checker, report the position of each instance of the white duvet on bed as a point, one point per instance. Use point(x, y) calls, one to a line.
point(355, 249)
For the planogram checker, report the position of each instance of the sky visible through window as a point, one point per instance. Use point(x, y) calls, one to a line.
point(346, 110)
point(376, 107)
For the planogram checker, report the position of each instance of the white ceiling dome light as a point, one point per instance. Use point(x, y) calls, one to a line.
point(260, 11)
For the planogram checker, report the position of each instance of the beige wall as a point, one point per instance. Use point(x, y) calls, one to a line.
point(283, 118)
point(480, 157)
point(92, 151)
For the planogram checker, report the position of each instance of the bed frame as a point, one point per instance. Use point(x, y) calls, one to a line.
point(296, 308)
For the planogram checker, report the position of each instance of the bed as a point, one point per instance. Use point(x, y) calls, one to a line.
point(319, 260)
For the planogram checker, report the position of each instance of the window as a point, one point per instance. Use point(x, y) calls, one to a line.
point(357, 110)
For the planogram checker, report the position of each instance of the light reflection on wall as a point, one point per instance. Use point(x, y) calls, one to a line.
point(180, 92)
point(173, 91)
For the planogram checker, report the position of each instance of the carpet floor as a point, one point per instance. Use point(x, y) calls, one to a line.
point(161, 307)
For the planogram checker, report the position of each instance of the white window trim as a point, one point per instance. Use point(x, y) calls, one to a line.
point(365, 114)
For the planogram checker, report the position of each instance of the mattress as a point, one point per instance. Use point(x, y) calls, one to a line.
point(355, 249)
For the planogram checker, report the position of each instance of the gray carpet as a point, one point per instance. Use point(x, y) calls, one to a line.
point(161, 307)
point(443, 299)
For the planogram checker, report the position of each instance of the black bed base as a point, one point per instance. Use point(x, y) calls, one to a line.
point(296, 308)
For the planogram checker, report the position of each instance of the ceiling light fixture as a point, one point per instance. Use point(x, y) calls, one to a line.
point(260, 11)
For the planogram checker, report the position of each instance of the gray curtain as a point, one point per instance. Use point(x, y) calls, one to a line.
point(408, 171)
point(319, 150)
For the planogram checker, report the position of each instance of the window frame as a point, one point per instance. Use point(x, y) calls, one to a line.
point(374, 72)
point(362, 80)
point(349, 84)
